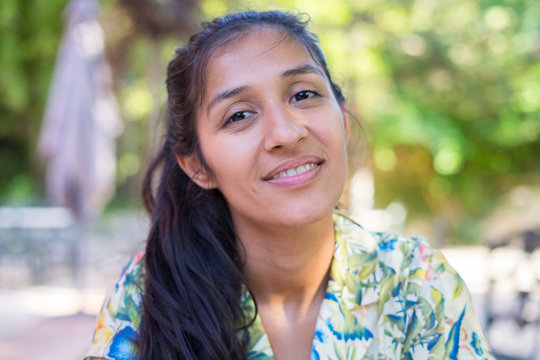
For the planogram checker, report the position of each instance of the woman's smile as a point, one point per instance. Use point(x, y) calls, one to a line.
point(296, 172)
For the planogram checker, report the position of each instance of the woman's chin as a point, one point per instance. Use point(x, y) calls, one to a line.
point(299, 217)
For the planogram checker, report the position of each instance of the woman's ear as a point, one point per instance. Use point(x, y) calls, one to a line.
point(191, 164)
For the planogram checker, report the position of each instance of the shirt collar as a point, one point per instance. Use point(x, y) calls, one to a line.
point(355, 273)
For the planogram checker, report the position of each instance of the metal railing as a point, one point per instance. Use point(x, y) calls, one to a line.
point(35, 242)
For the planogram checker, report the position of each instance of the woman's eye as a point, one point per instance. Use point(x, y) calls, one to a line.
point(237, 116)
point(303, 95)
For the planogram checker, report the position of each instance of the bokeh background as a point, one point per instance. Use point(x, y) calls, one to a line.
point(446, 145)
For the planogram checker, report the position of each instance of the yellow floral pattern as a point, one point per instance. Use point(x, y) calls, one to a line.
point(388, 297)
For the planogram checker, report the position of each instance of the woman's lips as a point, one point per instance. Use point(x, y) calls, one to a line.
point(293, 167)
point(294, 175)
point(296, 171)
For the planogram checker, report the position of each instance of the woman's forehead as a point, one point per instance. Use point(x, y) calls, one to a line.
point(254, 36)
point(255, 52)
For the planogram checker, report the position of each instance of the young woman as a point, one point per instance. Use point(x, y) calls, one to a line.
point(247, 256)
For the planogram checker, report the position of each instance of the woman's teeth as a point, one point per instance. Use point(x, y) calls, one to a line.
point(299, 170)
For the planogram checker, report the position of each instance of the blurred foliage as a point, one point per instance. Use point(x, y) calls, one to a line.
point(448, 93)
point(29, 38)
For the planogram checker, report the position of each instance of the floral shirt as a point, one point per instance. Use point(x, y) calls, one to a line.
point(388, 297)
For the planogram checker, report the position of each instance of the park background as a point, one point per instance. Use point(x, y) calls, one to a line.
point(446, 145)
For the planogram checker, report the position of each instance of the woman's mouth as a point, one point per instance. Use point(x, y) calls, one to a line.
point(296, 171)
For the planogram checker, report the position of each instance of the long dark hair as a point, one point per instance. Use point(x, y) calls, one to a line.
point(193, 263)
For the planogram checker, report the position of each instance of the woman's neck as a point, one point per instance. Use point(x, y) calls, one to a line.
point(288, 267)
point(287, 272)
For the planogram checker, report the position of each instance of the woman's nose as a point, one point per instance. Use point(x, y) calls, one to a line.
point(284, 128)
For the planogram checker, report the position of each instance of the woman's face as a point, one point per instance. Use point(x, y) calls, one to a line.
point(272, 133)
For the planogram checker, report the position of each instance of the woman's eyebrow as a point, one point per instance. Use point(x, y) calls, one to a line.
point(298, 70)
point(302, 69)
point(227, 94)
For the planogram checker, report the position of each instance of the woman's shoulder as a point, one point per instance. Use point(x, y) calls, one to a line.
point(133, 270)
point(120, 316)
point(390, 249)
point(422, 301)
point(125, 300)
point(130, 285)
point(390, 255)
